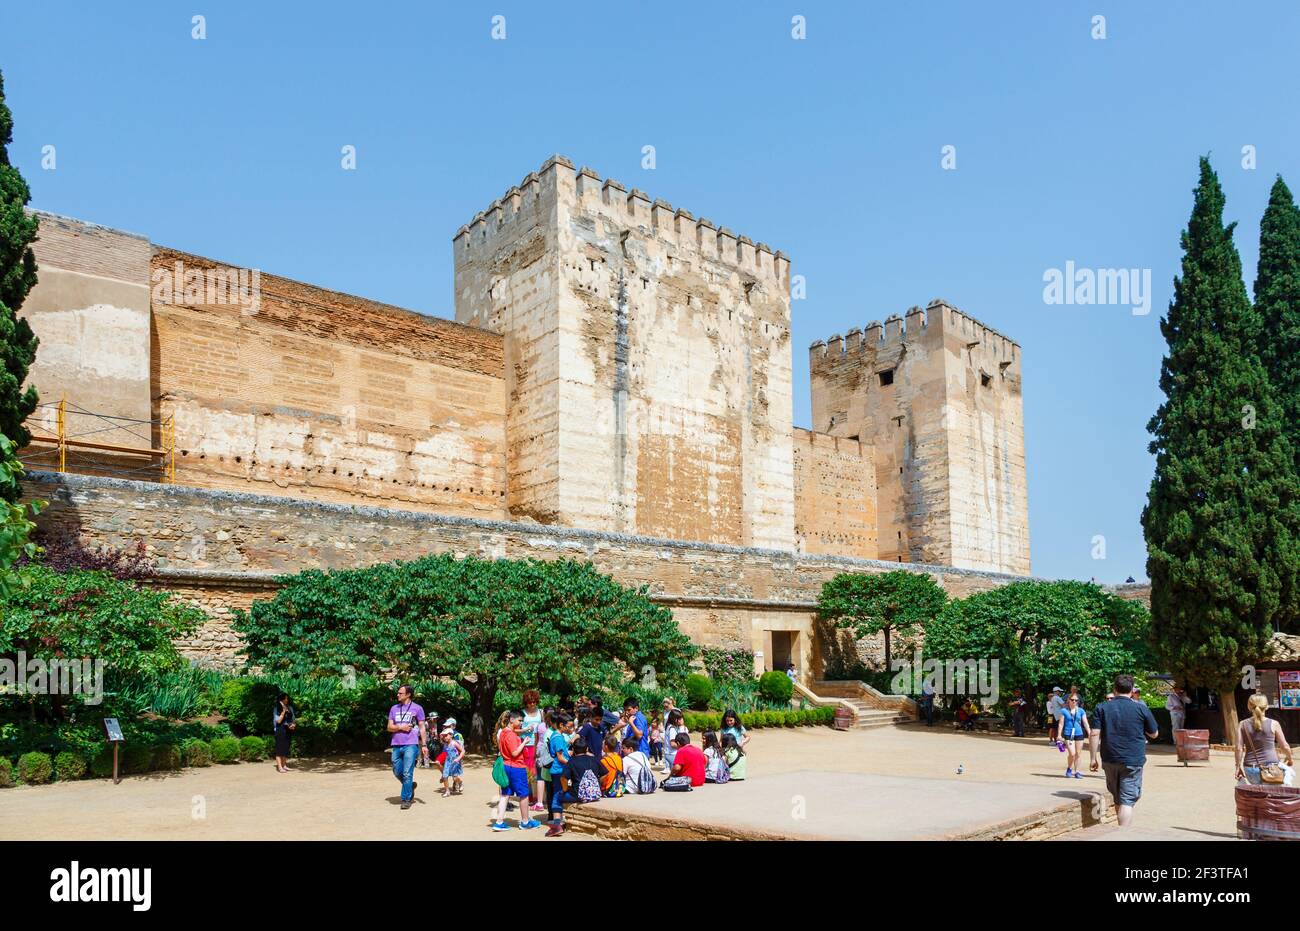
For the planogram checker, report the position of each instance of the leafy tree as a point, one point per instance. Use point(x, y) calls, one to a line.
point(1277, 301)
point(892, 602)
point(490, 625)
point(1221, 514)
point(1044, 634)
point(15, 520)
point(80, 614)
point(17, 277)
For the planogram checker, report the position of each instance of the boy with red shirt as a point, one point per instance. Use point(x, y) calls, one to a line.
point(689, 761)
point(511, 744)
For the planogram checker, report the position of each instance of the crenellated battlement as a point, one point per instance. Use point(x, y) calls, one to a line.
point(938, 317)
point(559, 180)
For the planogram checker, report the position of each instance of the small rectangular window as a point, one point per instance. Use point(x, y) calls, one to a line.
point(887, 377)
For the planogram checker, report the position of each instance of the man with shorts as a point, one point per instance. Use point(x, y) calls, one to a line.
point(1122, 727)
point(511, 744)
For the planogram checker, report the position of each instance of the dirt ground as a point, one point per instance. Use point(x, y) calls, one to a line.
point(356, 797)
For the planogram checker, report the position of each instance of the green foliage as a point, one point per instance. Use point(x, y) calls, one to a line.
point(488, 625)
point(899, 602)
point(7, 775)
point(197, 752)
point(69, 765)
point(252, 749)
point(188, 692)
point(776, 686)
point(1042, 634)
point(91, 614)
point(734, 665)
point(15, 519)
point(698, 722)
point(1277, 304)
point(101, 763)
point(17, 277)
point(699, 691)
point(35, 768)
point(1222, 520)
point(136, 758)
point(225, 750)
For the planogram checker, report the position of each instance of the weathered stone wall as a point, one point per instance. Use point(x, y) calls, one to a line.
point(834, 495)
point(939, 399)
point(90, 309)
point(650, 360)
point(227, 545)
point(320, 394)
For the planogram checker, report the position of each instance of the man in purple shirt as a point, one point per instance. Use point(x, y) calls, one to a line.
point(410, 739)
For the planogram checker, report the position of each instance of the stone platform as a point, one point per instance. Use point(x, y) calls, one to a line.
point(810, 805)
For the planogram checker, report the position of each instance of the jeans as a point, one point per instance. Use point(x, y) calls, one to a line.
point(927, 710)
point(560, 799)
point(1018, 722)
point(404, 767)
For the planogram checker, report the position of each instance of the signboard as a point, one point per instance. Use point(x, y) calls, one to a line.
point(113, 730)
point(1288, 682)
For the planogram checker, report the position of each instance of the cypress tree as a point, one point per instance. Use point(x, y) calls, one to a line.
point(1217, 520)
point(17, 277)
point(1277, 302)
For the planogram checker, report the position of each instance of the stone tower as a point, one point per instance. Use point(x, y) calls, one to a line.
point(937, 396)
point(647, 361)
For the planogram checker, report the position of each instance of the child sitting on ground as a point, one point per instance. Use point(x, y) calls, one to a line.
point(579, 782)
point(715, 767)
point(453, 767)
point(734, 755)
point(657, 740)
point(611, 784)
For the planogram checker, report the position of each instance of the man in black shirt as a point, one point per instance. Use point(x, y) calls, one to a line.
point(1122, 726)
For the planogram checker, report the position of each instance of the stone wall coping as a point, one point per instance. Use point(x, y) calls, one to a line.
point(71, 483)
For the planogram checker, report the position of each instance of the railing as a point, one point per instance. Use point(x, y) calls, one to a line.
point(65, 445)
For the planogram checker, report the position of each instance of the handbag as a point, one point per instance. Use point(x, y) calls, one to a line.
point(1270, 774)
point(499, 772)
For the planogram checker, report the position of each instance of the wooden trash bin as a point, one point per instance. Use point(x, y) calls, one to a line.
point(1268, 812)
point(843, 718)
point(1192, 746)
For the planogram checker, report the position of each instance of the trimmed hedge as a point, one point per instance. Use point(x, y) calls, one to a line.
point(712, 721)
point(101, 764)
point(135, 758)
point(197, 753)
point(69, 765)
point(252, 749)
point(7, 777)
point(225, 750)
point(775, 686)
point(35, 768)
point(167, 757)
point(699, 691)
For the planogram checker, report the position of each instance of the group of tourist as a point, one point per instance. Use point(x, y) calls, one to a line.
point(553, 757)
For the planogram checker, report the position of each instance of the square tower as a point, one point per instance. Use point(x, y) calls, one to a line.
point(647, 361)
point(938, 397)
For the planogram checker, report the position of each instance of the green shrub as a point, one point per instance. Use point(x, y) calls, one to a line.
point(729, 665)
point(136, 758)
point(756, 719)
point(246, 704)
point(6, 774)
point(197, 753)
point(69, 765)
point(775, 686)
point(699, 691)
point(225, 750)
point(167, 757)
point(252, 749)
point(35, 768)
point(101, 764)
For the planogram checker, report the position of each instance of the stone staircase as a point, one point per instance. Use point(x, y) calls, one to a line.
point(865, 717)
point(870, 708)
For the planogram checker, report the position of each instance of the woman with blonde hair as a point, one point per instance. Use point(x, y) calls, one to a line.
point(1258, 741)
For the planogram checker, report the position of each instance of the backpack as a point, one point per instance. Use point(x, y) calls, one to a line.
point(588, 786)
point(718, 771)
point(499, 772)
point(644, 781)
point(544, 756)
point(677, 784)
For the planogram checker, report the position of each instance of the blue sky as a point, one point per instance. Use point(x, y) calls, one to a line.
point(1068, 148)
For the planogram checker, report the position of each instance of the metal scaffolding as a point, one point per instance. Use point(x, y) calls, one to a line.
point(64, 445)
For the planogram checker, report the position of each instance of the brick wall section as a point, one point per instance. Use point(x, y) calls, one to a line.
point(324, 395)
point(231, 543)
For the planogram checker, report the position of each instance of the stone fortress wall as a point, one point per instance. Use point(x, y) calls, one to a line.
point(618, 367)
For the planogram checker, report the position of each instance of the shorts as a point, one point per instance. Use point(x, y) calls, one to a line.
point(518, 777)
point(453, 770)
point(1124, 782)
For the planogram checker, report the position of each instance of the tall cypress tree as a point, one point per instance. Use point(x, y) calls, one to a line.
point(1217, 535)
point(1277, 302)
point(17, 277)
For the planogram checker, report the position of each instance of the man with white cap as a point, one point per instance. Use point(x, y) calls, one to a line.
point(1055, 705)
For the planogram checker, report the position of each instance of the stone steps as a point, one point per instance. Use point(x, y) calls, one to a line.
point(869, 718)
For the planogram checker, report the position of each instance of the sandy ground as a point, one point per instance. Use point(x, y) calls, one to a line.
point(356, 797)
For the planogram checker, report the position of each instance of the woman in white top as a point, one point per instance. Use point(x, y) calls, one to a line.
point(676, 725)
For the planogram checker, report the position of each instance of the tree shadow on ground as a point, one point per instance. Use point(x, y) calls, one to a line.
point(351, 762)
